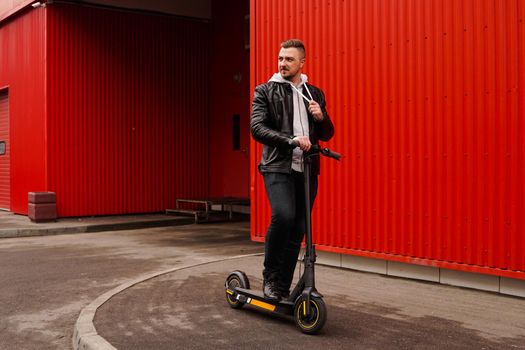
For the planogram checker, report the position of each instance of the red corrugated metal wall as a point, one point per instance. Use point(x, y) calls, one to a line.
point(428, 99)
point(128, 110)
point(5, 145)
point(22, 68)
point(229, 168)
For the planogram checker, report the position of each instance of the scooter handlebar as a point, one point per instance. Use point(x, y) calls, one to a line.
point(329, 153)
point(317, 149)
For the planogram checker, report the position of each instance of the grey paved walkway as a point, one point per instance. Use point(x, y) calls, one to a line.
point(46, 282)
point(187, 310)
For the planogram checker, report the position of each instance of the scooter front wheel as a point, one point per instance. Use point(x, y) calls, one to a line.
point(310, 324)
point(236, 279)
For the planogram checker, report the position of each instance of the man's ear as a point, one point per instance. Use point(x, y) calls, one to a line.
point(302, 61)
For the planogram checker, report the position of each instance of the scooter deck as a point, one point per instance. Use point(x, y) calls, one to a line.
point(256, 298)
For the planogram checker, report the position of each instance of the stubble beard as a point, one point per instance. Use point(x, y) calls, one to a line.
point(289, 77)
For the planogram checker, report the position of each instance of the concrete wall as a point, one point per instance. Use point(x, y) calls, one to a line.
point(8, 5)
point(188, 8)
point(503, 285)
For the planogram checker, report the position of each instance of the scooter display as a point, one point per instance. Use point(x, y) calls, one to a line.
point(305, 303)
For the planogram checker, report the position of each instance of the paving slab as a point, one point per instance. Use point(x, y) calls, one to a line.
point(186, 309)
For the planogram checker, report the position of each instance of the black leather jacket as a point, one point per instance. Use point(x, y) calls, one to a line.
point(272, 125)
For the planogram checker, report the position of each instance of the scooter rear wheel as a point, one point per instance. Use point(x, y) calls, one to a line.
point(313, 323)
point(236, 279)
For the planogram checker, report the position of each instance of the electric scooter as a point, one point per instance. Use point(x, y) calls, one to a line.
point(305, 303)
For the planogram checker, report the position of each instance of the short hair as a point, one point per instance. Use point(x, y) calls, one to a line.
point(298, 44)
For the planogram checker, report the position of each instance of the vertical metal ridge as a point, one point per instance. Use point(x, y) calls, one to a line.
point(517, 222)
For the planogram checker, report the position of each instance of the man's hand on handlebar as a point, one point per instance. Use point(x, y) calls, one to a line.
point(303, 142)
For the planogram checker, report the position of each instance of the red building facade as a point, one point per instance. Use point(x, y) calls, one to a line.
point(121, 111)
point(23, 87)
point(111, 108)
point(428, 99)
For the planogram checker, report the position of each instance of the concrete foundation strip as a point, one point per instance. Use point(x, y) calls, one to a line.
point(85, 336)
point(49, 231)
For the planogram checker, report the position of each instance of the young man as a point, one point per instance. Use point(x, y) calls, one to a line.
point(287, 111)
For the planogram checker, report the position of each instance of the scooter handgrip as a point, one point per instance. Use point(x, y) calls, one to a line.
point(329, 153)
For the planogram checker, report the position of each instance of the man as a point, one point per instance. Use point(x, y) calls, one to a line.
point(287, 111)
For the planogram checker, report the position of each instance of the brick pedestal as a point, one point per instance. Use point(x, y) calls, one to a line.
point(42, 206)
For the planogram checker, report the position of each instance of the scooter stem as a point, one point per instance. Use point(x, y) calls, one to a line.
point(309, 260)
point(308, 223)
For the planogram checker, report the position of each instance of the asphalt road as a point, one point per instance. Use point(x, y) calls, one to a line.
point(46, 281)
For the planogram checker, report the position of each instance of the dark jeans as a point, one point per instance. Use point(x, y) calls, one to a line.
point(287, 228)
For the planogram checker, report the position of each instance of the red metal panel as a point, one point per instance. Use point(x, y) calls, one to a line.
point(427, 99)
point(128, 110)
point(229, 168)
point(5, 159)
point(517, 237)
point(22, 68)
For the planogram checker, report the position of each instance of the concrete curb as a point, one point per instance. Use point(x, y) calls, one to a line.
point(119, 226)
point(85, 336)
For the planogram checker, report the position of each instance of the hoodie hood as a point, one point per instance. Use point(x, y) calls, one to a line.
point(278, 78)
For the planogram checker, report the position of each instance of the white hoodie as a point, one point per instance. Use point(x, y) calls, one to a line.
point(300, 117)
